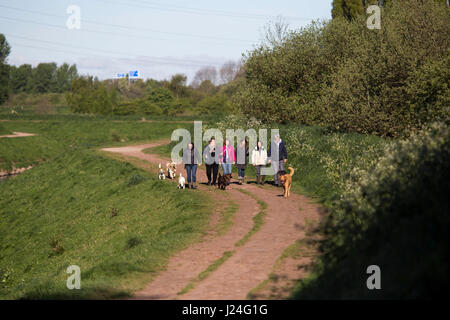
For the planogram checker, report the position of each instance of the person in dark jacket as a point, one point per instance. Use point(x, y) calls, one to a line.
point(241, 160)
point(191, 158)
point(212, 161)
point(277, 157)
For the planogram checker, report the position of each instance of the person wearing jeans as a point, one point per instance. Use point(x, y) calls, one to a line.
point(277, 157)
point(227, 157)
point(191, 159)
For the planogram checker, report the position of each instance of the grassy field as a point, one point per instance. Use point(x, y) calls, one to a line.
point(80, 207)
point(61, 134)
point(3, 130)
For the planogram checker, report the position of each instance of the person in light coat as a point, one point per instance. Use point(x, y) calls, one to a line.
point(259, 160)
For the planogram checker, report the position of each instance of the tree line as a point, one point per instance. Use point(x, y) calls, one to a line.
point(44, 78)
point(209, 93)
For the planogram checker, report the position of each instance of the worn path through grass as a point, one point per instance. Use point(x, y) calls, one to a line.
point(200, 271)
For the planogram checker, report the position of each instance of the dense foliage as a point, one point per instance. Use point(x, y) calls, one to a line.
point(44, 78)
point(150, 97)
point(342, 75)
point(395, 216)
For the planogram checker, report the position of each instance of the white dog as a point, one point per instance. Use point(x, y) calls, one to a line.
point(161, 175)
point(171, 170)
point(181, 182)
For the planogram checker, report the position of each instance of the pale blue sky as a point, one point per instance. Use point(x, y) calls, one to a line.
point(158, 37)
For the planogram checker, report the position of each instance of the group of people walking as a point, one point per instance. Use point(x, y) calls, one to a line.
point(226, 156)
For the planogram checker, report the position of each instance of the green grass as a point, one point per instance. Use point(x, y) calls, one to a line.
point(226, 217)
point(258, 220)
point(80, 207)
point(204, 274)
point(301, 248)
point(70, 133)
point(3, 130)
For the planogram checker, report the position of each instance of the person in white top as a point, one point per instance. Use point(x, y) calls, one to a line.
point(259, 160)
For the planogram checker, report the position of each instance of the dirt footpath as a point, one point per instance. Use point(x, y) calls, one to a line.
point(251, 263)
point(18, 135)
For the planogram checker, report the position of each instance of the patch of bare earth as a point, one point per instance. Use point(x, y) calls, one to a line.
point(18, 135)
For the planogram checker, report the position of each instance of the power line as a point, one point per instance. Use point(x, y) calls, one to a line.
point(155, 59)
point(95, 55)
point(100, 32)
point(127, 27)
point(197, 11)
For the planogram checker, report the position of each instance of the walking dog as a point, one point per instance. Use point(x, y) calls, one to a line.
point(161, 175)
point(171, 170)
point(223, 181)
point(286, 181)
point(181, 182)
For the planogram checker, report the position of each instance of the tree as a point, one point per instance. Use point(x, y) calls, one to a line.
point(229, 71)
point(177, 85)
point(205, 73)
point(207, 87)
point(276, 31)
point(44, 78)
point(348, 9)
point(5, 49)
point(21, 78)
point(64, 76)
point(161, 97)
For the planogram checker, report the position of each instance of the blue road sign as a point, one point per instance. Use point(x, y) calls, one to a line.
point(134, 74)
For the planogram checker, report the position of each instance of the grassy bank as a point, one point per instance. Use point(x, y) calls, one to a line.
point(3, 130)
point(61, 134)
point(116, 222)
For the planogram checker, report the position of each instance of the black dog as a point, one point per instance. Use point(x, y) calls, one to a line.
point(223, 181)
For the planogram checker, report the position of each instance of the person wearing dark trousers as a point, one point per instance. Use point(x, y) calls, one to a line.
point(241, 160)
point(211, 161)
point(277, 157)
point(191, 158)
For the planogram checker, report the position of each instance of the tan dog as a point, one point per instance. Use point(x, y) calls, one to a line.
point(171, 170)
point(286, 181)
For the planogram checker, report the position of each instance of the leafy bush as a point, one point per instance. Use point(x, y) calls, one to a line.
point(395, 216)
point(87, 95)
point(161, 97)
point(341, 74)
point(217, 104)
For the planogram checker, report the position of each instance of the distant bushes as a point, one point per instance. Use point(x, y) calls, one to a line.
point(42, 103)
point(87, 95)
point(152, 98)
point(342, 75)
point(396, 216)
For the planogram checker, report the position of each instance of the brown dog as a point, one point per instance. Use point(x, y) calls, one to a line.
point(223, 181)
point(286, 181)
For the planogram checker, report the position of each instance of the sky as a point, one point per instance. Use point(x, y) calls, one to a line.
point(158, 38)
